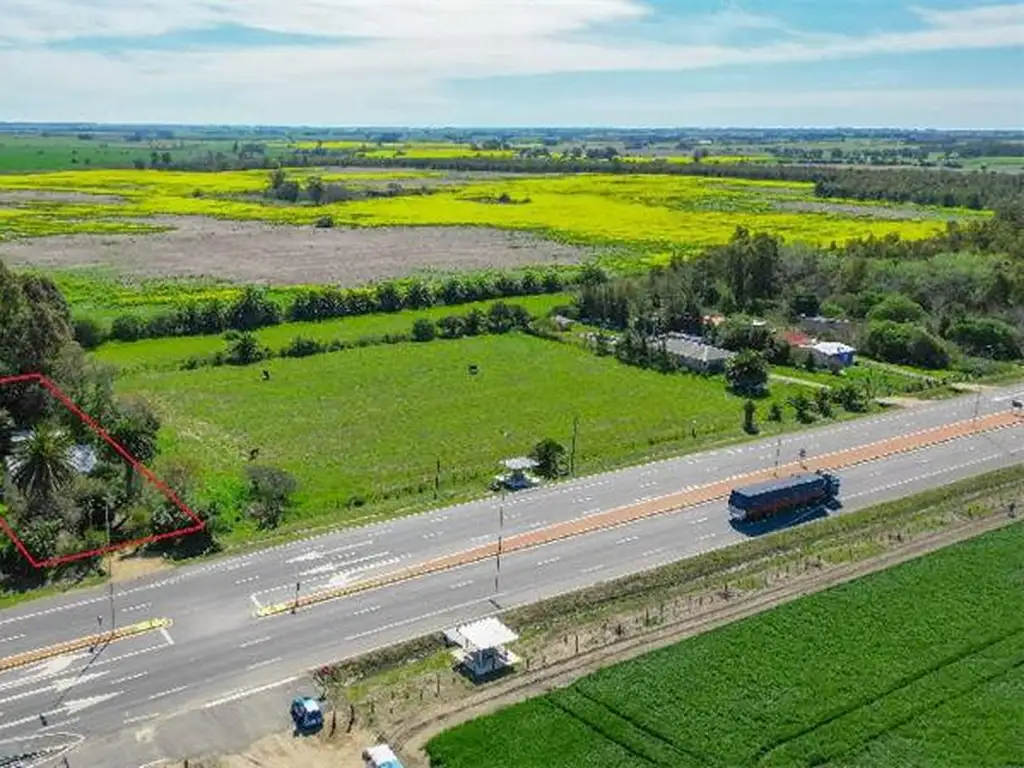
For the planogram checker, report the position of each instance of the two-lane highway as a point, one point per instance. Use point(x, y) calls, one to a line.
point(216, 650)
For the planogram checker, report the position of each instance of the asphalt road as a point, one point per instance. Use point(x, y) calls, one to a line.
point(219, 678)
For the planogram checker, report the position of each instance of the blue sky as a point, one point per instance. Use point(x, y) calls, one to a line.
point(936, 63)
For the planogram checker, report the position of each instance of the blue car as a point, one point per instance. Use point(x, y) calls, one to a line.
point(306, 714)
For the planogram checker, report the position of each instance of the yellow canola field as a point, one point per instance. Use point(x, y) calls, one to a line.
point(650, 211)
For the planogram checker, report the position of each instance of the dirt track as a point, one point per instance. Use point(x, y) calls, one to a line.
point(256, 252)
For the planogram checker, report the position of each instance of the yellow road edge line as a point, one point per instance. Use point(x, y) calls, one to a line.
point(89, 641)
point(474, 555)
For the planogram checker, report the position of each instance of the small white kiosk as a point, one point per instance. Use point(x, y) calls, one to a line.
point(481, 647)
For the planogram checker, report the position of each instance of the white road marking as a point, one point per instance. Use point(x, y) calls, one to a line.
point(249, 692)
point(246, 581)
point(170, 692)
point(702, 520)
point(11, 638)
point(369, 609)
point(460, 585)
point(650, 552)
point(251, 643)
point(141, 719)
point(129, 678)
point(264, 663)
point(414, 619)
point(167, 635)
point(592, 569)
point(256, 602)
point(140, 607)
point(628, 539)
point(549, 561)
point(320, 569)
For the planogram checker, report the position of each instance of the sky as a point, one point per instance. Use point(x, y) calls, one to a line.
point(628, 63)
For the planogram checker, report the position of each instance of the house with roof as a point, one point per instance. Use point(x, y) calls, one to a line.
point(693, 353)
point(833, 354)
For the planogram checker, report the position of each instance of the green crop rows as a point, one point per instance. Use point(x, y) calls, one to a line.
point(919, 665)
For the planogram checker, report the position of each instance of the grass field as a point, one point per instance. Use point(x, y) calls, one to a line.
point(368, 424)
point(656, 213)
point(920, 665)
point(170, 353)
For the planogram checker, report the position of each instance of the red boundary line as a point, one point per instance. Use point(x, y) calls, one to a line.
point(53, 389)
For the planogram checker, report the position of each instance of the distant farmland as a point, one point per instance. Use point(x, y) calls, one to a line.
point(920, 665)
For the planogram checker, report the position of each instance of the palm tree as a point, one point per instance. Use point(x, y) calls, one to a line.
point(42, 463)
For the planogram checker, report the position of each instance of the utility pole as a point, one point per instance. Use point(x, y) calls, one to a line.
point(437, 479)
point(778, 454)
point(298, 587)
point(572, 452)
point(501, 530)
point(110, 571)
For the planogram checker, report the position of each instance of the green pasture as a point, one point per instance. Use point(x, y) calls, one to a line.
point(170, 353)
point(367, 425)
point(919, 665)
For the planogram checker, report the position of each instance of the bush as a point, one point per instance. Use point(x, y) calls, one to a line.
point(897, 309)
point(906, 344)
point(88, 333)
point(423, 330)
point(270, 492)
point(245, 349)
point(252, 310)
point(324, 222)
point(301, 346)
point(127, 328)
point(983, 337)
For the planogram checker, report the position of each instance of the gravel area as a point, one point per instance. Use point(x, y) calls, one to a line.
point(257, 252)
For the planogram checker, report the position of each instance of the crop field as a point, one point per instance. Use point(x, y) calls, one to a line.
point(383, 415)
point(170, 353)
point(651, 215)
point(919, 665)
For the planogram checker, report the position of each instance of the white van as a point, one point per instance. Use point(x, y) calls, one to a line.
point(380, 756)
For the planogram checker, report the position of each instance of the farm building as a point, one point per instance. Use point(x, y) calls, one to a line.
point(693, 353)
point(832, 354)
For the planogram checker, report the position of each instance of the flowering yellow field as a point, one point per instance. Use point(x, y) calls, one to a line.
point(651, 211)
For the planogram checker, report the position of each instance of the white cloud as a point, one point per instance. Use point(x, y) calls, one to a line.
point(408, 51)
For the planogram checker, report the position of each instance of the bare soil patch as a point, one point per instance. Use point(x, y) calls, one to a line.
point(257, 252)
point(129, 567)
point(21, 196)
point(864, 211)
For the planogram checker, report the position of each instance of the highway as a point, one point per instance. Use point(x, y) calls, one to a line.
point(219, 677)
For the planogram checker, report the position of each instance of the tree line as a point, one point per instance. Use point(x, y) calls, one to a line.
point(957, 297)
point(254, 309)
point(968, 189)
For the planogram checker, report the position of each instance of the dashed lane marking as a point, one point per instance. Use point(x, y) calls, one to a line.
point(856, 455)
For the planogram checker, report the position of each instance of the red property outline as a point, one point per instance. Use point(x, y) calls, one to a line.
point(54, 390)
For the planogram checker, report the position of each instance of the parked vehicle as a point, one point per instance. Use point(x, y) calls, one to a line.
point(787, 494)
point(306, 714)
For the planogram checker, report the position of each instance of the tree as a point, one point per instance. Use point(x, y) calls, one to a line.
point(823, 402)
point(775, 412)
point(802, 407)
point(134, 428)
point(747, 373)
point(270, 493)
point(315, 189)
point(244, 349)
point(897, 309)
point(550, 457)
point(42, 464)
point(851, 397)
point(252, 310)
point(985, 337)
point(749, 411)
point(423, 330)
point(6, 435)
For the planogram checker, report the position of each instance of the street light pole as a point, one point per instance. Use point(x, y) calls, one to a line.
point(110, 571)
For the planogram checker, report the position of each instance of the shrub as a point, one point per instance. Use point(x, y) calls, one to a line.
point(301, 346)
point(88, 333)
point(423, 330)
point(127, 328)
point(324, 222)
